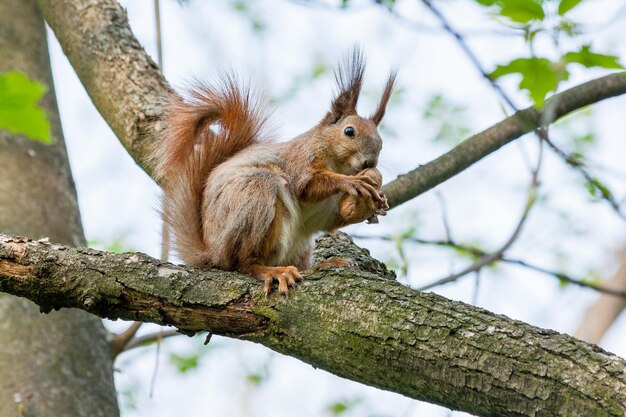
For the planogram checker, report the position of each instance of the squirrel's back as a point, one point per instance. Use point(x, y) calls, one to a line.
point(209, 127)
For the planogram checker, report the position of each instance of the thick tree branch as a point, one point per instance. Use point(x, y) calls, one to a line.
point(127, 87)
point(358, 323)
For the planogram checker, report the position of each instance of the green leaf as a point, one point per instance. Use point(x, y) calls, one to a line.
point(592, 280)
point(520, 11)
point(255, 379)
point(19, 110)
point(567, 5)
point(409, 233)
point(338, 408)
point(591, 59)
point(598, 190)
point(319, 69)
point(185, 363)
point(539, 76)
point(569, 28)
point(240, 6)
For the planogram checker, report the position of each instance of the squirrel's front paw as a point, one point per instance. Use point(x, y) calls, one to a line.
point(364, 186)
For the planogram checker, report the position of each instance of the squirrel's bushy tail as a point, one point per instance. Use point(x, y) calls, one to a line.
point(199, 133)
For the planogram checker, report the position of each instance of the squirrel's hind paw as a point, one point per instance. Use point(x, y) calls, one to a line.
point(287, 276)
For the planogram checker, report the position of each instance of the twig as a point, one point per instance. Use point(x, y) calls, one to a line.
point(121, 341)
point(444, 215)
point(480, 253)
point(566, 278)
point(476, 288)
point(157, 355)
point(413, 25)
point(579, 166)
point(470, 54)
point(490, 258)
point(445, 243)
point(150, 338)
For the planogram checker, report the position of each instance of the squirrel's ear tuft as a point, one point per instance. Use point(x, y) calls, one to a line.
point(349, 77)
point(380, 110)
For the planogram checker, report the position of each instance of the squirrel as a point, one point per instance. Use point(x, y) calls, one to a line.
point(237, 201)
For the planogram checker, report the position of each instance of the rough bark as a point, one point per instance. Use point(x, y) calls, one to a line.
point(126, 87)
point(358, 323)
point(59, 364)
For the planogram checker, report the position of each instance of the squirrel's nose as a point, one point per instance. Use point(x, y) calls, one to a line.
point(369, 163)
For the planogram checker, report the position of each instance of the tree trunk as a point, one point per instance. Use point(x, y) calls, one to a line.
point(58, 364)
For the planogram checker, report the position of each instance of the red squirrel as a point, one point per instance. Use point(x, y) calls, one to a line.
point(236, 201)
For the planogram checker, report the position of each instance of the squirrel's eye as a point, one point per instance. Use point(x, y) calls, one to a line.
point(349, 131)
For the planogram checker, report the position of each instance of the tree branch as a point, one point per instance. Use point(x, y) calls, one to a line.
point(120, 341)
point(354, 322)
point(150, 338)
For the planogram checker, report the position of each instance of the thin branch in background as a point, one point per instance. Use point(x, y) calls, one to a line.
point(470, 54)
point(157, 22)
point(490, 258)
point(579, 166)
point(476, 252)
point(480, 253)
point(411, 24)
point(443, 243)
point(566, 278)
point(150, 338)
point(420, 27)
point(444, 214)
point(476, 287)
point(122, 340)
point(156, 363)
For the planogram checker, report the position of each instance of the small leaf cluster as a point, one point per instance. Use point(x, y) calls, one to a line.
point(542, 75)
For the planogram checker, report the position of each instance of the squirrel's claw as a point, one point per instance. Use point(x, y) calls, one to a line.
point(287, 276)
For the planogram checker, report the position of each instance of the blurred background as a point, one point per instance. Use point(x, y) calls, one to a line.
point(574, 229)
